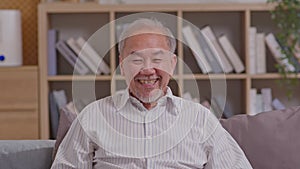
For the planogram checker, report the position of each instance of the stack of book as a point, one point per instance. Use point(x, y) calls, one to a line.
point(257, 52)
point(261, 101)
point(213, 54)
point(57, 101)
point(291, 64)
point(78, 53)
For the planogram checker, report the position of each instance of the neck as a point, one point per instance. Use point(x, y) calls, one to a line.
point(150, 106)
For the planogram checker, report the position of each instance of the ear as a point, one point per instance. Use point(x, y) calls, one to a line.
point(173, 63)
point(121, 64)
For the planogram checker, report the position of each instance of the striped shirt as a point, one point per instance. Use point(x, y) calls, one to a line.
point(119, 132)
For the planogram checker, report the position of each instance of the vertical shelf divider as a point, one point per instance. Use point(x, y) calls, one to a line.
point(180, 53)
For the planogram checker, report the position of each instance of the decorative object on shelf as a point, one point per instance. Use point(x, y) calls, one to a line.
point(286, 15)
point(10, 38)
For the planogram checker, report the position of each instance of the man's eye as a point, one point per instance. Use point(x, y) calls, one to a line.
point(157, 60)
point(137, 61)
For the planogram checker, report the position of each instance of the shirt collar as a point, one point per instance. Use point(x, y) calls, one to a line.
point(120, 98)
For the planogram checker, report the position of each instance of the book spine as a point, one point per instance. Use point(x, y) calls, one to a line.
point(93, 55)
point(277, 105)
point(252, 100)
point(226, 66)
point(70, 57)
point(60, 98)
point(259, 103)
point(54, 116)
point(52, 55)
point(227, 110)
point(267, 99)
point(276, 51)
point(234, 58)
point(75, 47)
point(252, 49)
point(260, 53)
point(86, 58)
point(195, 47)
point(62, 48)
point(208, 51)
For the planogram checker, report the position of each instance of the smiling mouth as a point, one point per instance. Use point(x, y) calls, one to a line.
point(148, 81)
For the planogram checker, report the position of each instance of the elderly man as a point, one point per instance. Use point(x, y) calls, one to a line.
point(146, 126)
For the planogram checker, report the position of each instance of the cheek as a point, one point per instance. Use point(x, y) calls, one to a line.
point(130, 72)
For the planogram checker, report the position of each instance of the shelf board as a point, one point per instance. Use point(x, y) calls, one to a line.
point(214, 76)
point(270, 76)
point(186, 76)
point(79, 78)
point(64, 7)
point(19, 68)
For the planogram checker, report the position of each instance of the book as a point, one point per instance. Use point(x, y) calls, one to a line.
point(209, 52)
point(54, 115)
point(259, 103)
point(252, 100)
point(70, 56)
point(100, 64)
point(293, 59)
point(208, 33)
point(252, 49)
point(82, 58)
point(275, 49)
point(224, 105)
point(60, 98)
point(196, 49)
point(260, 54)
point(216, 109)
point(267, 99)
point(277, 105)
point(231, 53)
point(52, 55)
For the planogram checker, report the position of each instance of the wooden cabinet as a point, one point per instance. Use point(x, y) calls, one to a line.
point(19, 117)
point(234, 20)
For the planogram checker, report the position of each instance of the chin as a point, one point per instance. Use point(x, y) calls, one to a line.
point(153, 96)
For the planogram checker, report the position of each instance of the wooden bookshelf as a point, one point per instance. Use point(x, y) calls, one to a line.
point(232, 19)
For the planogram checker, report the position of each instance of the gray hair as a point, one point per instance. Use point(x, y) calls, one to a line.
point(146, 24)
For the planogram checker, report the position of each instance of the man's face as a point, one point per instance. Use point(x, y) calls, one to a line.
point(147, 65)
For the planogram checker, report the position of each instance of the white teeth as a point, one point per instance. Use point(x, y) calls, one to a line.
point(147, 81)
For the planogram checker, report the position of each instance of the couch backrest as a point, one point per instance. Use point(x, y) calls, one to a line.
point(270, 140)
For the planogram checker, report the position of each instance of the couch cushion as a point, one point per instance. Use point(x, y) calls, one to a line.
point(269, 139)
point(26, 154)
point(65, 120)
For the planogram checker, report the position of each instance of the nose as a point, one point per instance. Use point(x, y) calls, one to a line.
point(147, 71)
point(147, 68)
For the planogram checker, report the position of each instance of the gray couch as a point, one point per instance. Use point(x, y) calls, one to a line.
point(26, 154)
point(270, 140)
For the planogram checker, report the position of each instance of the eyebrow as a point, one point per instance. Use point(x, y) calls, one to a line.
point(140, 53)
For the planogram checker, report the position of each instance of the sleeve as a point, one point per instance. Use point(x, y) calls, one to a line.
point(76, 150)
point(223, 151)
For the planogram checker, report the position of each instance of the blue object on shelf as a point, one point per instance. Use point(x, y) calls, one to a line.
point(2, 58)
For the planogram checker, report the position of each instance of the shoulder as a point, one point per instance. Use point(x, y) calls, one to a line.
point(98, 105)
point(187, 105)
